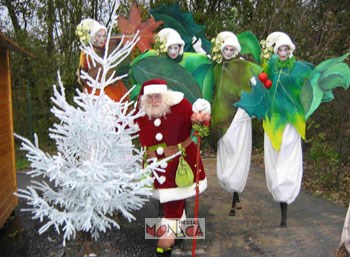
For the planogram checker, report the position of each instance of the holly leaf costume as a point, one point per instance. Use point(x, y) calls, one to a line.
point(177, 78)
point(197, 66)
point(231, 79)
point(297, 90)
point(324, 78)
point(183, 22)
point(254, 102)
point(249, 45)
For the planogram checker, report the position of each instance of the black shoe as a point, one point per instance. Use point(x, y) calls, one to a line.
point(160, 252)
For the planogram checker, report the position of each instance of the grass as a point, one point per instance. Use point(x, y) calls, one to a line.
point(22, 164)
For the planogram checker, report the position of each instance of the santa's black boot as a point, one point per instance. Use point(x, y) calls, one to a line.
point(235, 200)
point(284, 208)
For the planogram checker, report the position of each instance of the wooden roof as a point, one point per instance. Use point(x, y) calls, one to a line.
point(7, 43)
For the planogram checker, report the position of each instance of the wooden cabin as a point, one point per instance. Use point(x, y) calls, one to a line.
point(8, 179)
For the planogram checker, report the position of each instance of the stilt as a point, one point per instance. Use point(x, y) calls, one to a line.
point(284, 208)
point(235, 200)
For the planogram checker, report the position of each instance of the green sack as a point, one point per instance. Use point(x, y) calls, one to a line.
point(184, 175)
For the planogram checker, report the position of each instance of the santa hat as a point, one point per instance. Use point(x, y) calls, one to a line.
point(228, 39)
point(171, 37)
point(279, 39)
point(159, 86)
point(154, 86)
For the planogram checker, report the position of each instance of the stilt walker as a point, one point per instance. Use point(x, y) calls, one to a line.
point(285, 96)
point(231, 127)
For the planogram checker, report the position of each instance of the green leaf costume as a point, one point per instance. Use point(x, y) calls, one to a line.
point(192, 70)
point(297, 90)
point(231, 79)
point(183, 22)
point(325, 77)
point(249, 45)
point(177, 78)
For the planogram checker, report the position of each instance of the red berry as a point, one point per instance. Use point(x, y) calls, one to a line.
point(263, 77)
point(268, 83)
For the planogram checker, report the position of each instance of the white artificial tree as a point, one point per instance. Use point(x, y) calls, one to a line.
point(96, 170)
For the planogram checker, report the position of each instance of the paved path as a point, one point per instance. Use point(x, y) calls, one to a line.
point(314, 227)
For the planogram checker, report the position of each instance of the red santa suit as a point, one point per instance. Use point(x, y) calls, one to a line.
point(156, 134)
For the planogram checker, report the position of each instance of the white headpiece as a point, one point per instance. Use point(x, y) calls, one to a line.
point(171, 37)
point(279, 39)
point(229, 39)
point(91, 27)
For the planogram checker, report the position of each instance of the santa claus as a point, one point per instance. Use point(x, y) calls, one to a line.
point(165, 129)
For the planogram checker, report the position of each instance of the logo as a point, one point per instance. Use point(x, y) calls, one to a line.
point(156, 228)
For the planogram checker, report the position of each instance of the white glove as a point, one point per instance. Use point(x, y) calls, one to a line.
point(201, 105)
point(253, 81)
point(197, 45)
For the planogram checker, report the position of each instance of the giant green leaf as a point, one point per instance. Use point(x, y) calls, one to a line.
point(249, 45)
point(324, 78)
point(177, 78)
point(231, 79)
point(183, 22)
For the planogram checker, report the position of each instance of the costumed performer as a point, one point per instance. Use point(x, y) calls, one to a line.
point(165, 130)
point(285, 96)
point(283, 131)
point(169, 44)
point(91, 31)
point(231, 127)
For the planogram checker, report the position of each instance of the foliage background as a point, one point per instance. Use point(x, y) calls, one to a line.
point(320, 29)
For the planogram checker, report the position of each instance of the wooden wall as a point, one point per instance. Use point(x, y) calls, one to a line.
point(8, 180)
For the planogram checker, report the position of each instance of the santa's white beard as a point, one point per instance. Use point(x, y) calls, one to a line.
point(154, 111)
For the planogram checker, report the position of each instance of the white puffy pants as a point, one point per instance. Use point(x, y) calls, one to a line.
point(234, 153)
point(284, 168)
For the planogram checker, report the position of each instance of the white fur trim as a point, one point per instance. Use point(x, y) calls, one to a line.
point(201, 105)
point(155, 89)
point(179, 193)
point(173, 97)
